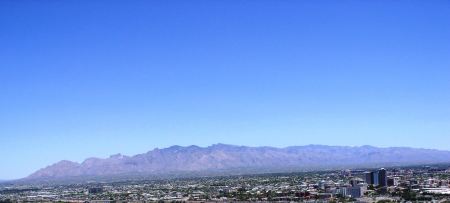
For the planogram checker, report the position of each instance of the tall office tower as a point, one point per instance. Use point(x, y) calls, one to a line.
point(376, 178)
point(382, 177)
point(368, 177)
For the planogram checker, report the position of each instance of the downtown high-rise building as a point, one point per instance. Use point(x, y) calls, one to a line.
point(376, 178)
point(382, 177)
point(368, 176)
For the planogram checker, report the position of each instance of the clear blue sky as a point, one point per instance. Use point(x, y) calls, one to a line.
point(93, 78)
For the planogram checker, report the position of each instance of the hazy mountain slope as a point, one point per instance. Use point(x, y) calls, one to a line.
point(225, 158)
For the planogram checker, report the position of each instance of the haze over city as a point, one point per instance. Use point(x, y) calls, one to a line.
point(81, 79)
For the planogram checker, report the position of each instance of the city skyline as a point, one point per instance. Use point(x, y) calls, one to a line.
point(85, 79)
point(415, 183)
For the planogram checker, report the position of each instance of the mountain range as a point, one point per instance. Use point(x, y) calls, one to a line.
point(230, 159)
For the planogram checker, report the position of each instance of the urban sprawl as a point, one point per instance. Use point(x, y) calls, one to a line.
point(407, 184)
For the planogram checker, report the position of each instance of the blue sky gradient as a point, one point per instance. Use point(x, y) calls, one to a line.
point(93, 78)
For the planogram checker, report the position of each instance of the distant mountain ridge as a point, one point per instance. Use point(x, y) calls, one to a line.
point(231, 159)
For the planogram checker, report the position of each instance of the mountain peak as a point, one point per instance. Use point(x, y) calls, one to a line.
point(117, 156)
point(221, 145)
point(66, 163)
